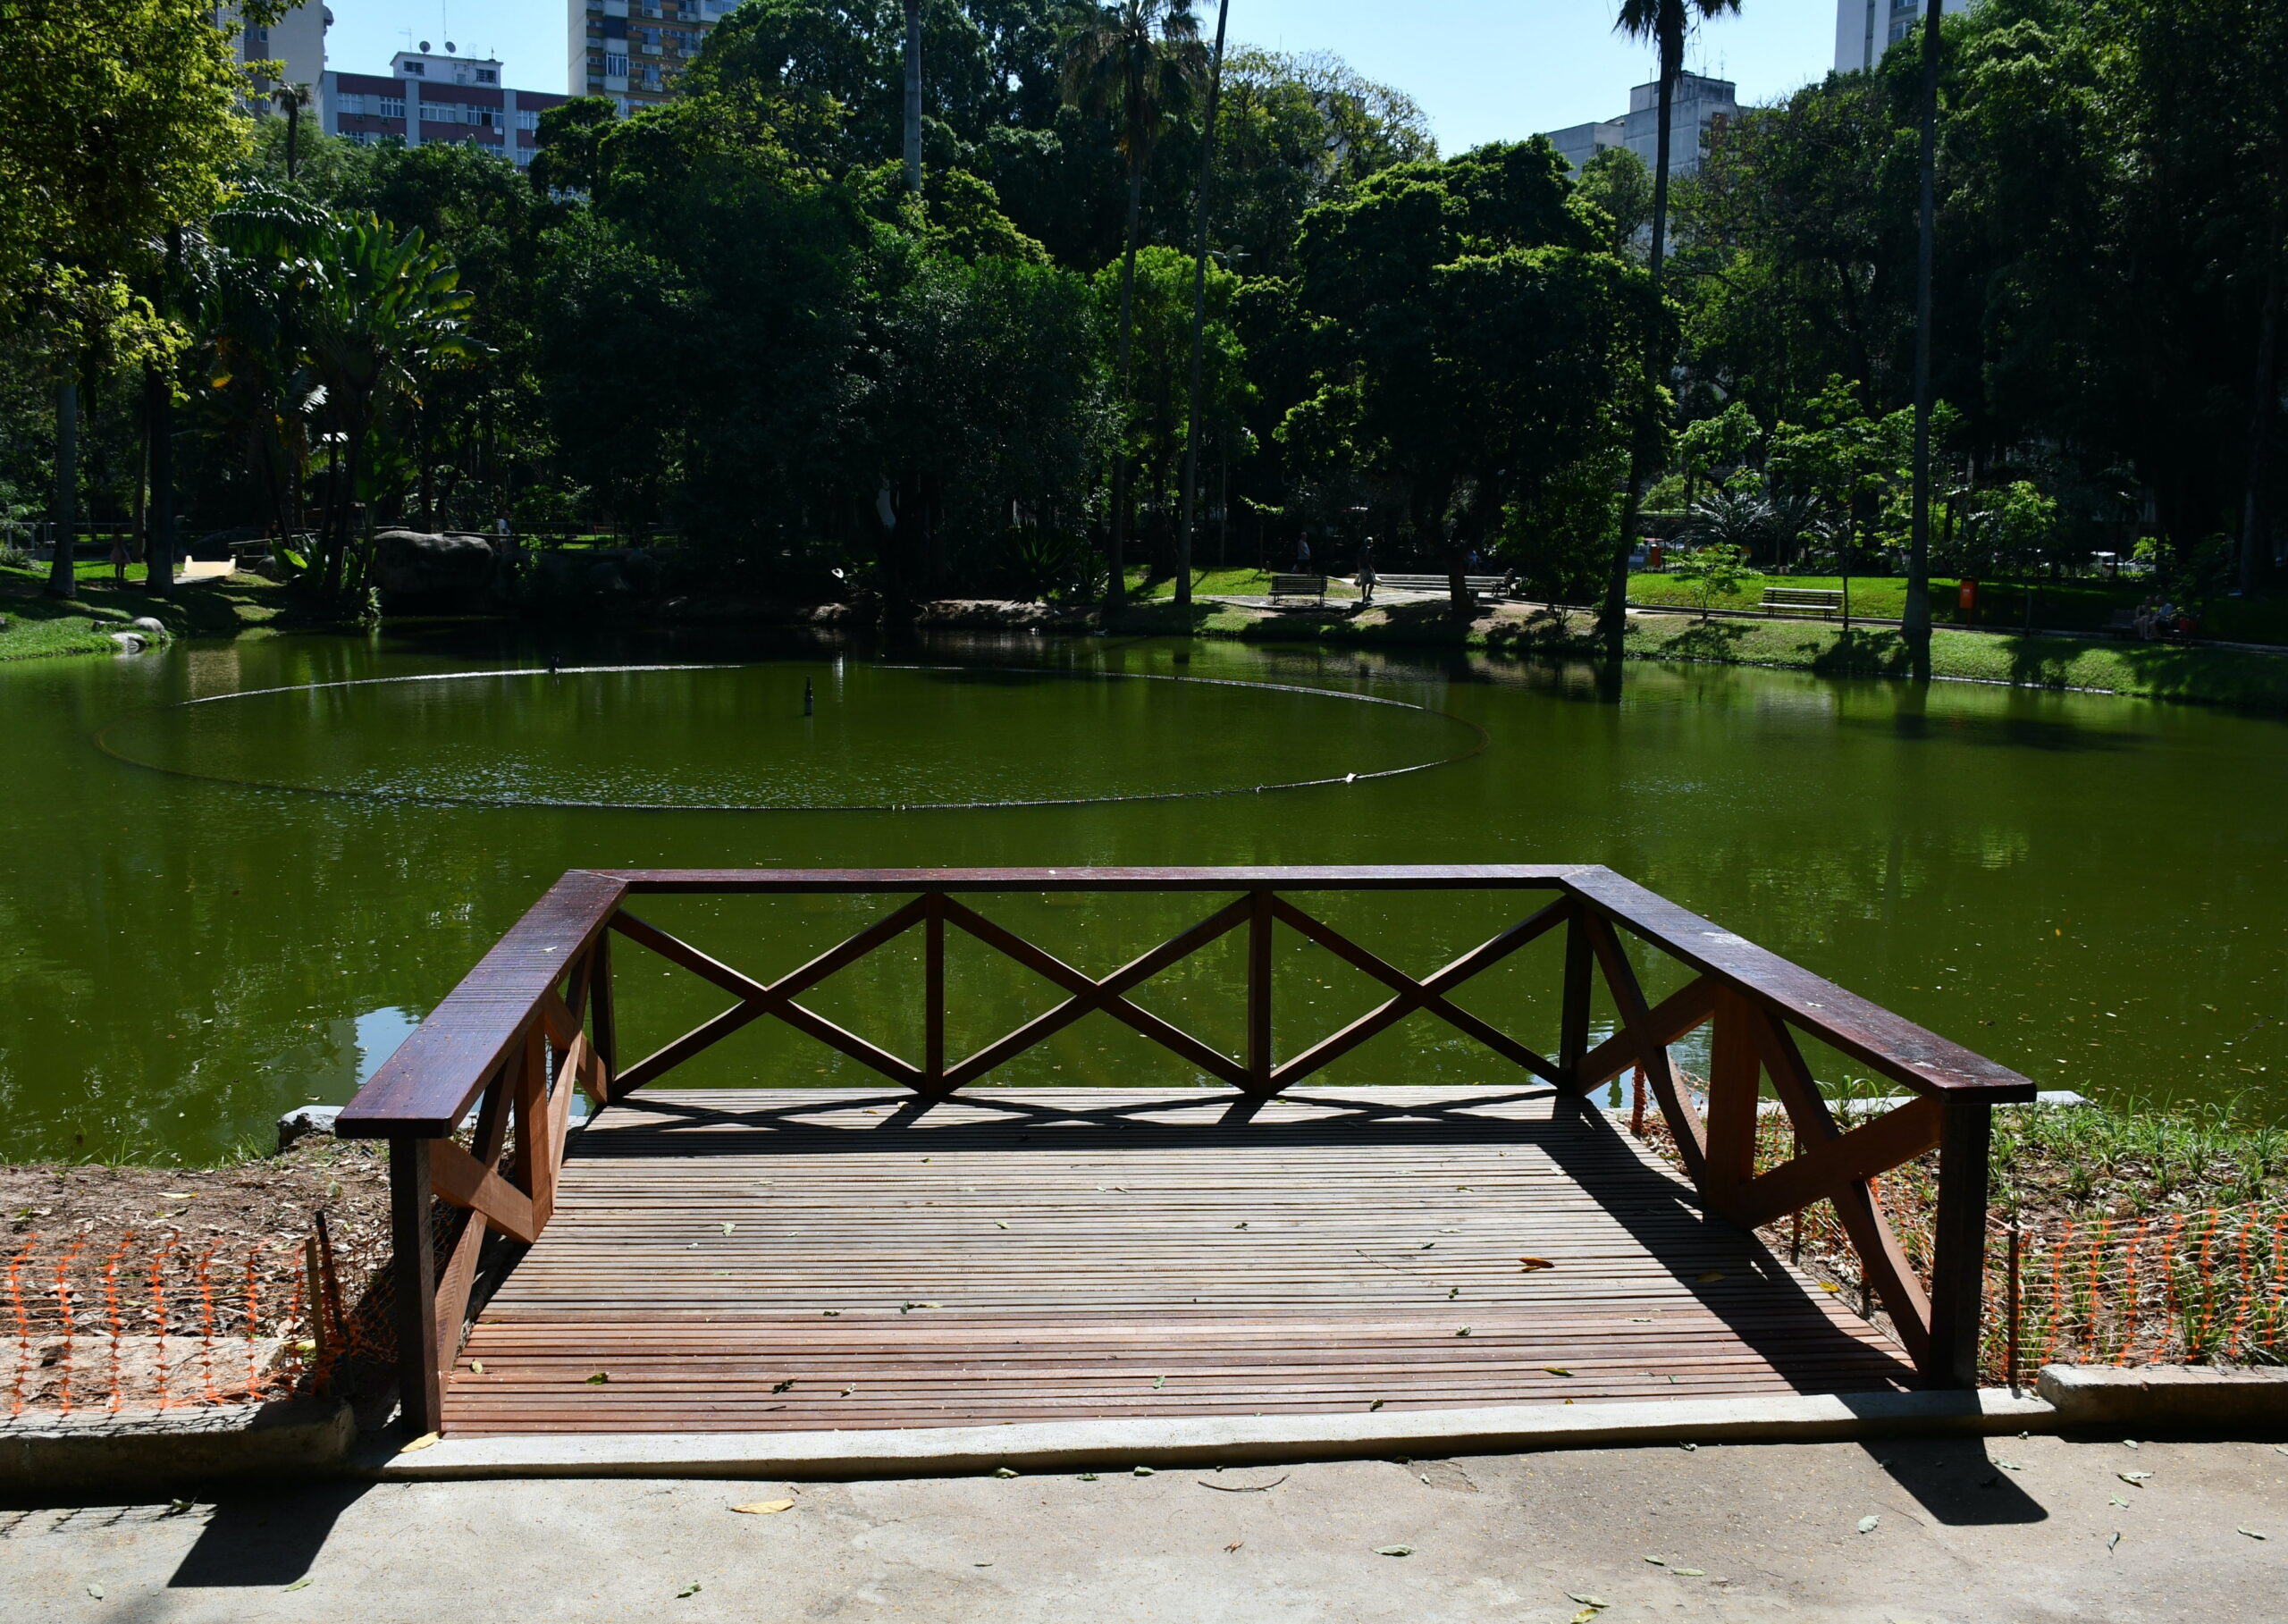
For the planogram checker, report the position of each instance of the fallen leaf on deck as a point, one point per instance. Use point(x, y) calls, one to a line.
point(1235, 1545)
point(1868, 1524)
point(1005, 1471)
point(2010, 1466)
point(1463, 1332)
point(1238, 1227)
point(1585, 1616)
point(1144, 1471)
point(765, 1508)
point(476, 1367)
point(998, 1224)
point(2252, 1534)
point(1688, 1446)
point(176, 1195)
point(2138, 1478)
point(1258, 1488)
point(96, 1591)
point(1088, 1476)
point(1393, 1549)
point(300, 1583)
point(727, 1228)
point(1557, 1370)
point(1690, 1573)
point(1158, 1382)
point(688, 1590)
point(785, 1386)
point(2113, 1540)
point(1531, 1264)
point(1376, 1405)
point(1587, 1601)
point(600, 1378)
point(847, 1391)
point(2129, 1443)
point(2116, 1499)
point(423, 1442)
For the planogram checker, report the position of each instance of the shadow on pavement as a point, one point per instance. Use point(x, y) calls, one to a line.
point(1956, 1480)
point(264, 1538)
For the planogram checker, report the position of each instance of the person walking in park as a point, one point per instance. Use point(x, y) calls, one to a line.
point(1303, 554)
point(1366, 576)
point(119, 558)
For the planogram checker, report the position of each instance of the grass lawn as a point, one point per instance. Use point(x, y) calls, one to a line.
point(40, 625)
point(1234, 582)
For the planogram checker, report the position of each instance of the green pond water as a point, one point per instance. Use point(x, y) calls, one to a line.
point(237, 874)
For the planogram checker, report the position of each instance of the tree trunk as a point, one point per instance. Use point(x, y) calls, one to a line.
point(2264, 401)
point(1915, 621)
point(1117, 591)
point(1616, 604)
point(1198, 314)
point(62, 583)
point(159, 549)
point(913, 97)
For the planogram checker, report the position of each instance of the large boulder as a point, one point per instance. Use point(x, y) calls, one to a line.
point(617, 572)
point(450, 565)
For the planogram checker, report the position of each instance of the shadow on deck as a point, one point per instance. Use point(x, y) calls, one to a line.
point(804, 1260)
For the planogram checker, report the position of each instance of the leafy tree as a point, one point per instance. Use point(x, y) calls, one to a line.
point(1615, 183)
point(1135, 62)
point(1715, 569)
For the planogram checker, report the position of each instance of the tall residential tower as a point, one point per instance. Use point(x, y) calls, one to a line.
point(632, 50)
point(1867, 28)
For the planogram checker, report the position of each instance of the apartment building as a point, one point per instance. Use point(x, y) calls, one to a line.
point(632, 50)
point(427, 98)
point(295, 41)
point(1867, 28)
point(1700, 104)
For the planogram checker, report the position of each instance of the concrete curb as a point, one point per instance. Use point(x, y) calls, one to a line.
point(297, 1438)
point(1215, 1441)
point(2162, 1398)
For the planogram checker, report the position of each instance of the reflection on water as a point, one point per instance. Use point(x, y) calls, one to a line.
point(2090, 889)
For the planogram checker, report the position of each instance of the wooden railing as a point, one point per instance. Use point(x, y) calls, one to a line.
point(534, 1021)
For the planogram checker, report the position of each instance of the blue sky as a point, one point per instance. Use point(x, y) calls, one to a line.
point(1483, 70)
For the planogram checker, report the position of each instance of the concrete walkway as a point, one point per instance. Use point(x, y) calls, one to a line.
point(1745, 1532)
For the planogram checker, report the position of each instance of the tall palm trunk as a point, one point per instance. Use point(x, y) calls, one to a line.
point(159, 546)
point(1199, 315)
point(1915, 623)
point(62, 583)
point(913, 97)
point(2255, 532)
point(1117, 592)
point(1656, 357)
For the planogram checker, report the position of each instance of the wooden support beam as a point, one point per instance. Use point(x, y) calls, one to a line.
point(1573, 1019)
point(1258, 1051)
point(421, 1394)
point(1958, 1260)
point(1735, 1083)
point(1668, 1020)
point(1882, 1259)
point(603, 1019)
point(1651, 1050)
point(933, 993)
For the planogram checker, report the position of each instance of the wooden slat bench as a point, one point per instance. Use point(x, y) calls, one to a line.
point(1802, 601)
point(1298, 586)
point(1480, 587)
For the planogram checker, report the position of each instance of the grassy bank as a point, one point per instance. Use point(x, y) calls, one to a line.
point(2223, 677)
point(39, 625)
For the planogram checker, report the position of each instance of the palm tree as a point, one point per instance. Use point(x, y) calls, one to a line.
point(1664, 23)
point(1914, 622)
point(1200, 312)
point(1136, 61)
point(913, 97)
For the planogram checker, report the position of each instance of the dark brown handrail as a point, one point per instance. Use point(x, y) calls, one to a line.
point(534, 1021)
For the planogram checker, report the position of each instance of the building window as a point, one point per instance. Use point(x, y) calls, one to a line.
point(527, 119)
point(486, 76)
point(414, 70)
point(350, 105)
point(615, 65)
point(392, 107)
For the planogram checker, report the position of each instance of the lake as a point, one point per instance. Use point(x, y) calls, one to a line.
point(237, 874)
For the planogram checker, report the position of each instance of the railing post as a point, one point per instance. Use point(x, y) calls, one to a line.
point(1735, 1084)
point(1958, 1252)
point(1573, 1025)
point(933, 979)
point(603, 1025)
point(1259, 993)
point(421, 1392)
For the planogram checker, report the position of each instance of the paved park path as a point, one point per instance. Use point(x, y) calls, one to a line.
point(1744, 1533)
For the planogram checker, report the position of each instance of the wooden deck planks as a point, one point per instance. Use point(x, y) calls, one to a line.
point(1040, 1255)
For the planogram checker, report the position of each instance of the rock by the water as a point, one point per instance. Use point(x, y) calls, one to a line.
point(416, 564)
point(147, 626)
point(305, 1121)
point(130, 643)
point(606, 571)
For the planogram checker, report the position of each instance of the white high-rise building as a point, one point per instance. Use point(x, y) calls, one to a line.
point(1867, 28)
point(295, 41)
point(1699, 105)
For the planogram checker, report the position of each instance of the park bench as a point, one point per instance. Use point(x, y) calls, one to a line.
point(1479, 587)
point(1298, 586)
point(1802, 601)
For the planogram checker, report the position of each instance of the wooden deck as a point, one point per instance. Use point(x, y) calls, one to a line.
point(810, 1259)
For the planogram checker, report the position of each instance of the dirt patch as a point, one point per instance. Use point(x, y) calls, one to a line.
point(276, 1198)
